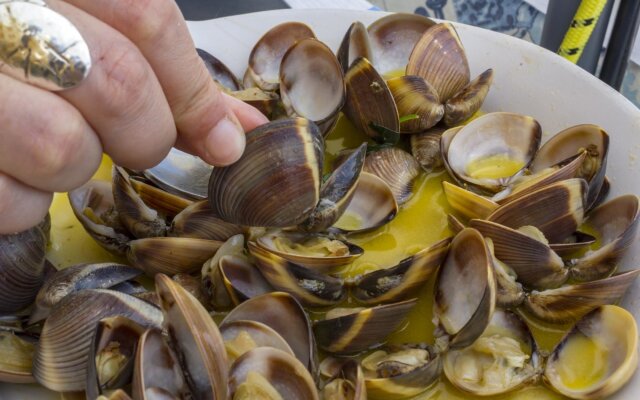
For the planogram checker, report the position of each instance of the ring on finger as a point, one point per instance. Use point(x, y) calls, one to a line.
point(40, 46)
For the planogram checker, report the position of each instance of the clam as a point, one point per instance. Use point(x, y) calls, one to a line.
point(439, 58)
point(616, 223)
point(527, 253)
point(212, 277)
point(591, 139)
point(372, 206)
point(282, 160)
point(181, 173)
point(170, 255)
point(309, 66)
point(400, 372)
point(502, 359)
point(139, 219)
point(157, 370)
point(310, 287)
point(370, 105)
point(346, 384)
point(165, 203)
point(490, 151)
point(465, 291)
point(393, 38)
point(242, 336)
point(284, 314)
point(268, 103)
point(397, 168)
point(414, 96)
point(193, 285)
point(22, 261)
point(17, 358)
point(195, 338)
point(425, 148)
point(115, 395)
point(403, 280)
point(455, 224)
point(556, 210)
point(75, 278)
point(337, 191)
point(352, 330)
point(270, 373)
point(468, 100)
point(199, 221)
point(573, 244)
point(220, 73)
point(569, 303)
point(467, 203)
point(316, 252)
point(267, 54)
point(60, 362)
point(111, 359)
point(509, 293)
point(597, 357)
point(242, 279)
point(94, 207)
point(354, 45)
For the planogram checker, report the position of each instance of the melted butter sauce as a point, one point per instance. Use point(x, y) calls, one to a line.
point(581, 363)
point(493, 167)
point(420, 222)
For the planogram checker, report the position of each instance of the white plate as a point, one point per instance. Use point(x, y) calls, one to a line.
point(528, 80)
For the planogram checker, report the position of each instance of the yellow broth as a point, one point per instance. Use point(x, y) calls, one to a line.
point(420, 222)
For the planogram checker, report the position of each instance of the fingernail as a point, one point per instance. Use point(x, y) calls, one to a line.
point(225, 142)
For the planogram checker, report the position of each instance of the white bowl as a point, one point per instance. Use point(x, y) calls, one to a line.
point(528, 80)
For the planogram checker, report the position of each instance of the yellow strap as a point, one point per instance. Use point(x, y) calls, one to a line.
point(581, 29)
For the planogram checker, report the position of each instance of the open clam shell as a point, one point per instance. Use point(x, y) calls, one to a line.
point(397, 168)
point(468, 204)
point(415, 96)
point(465, 291)
point(346, 384)
point(310, 287)
point(397, 373)
point(266, 369)
point(393, 38)
point(465, 103)
point(597, 357)
point(309, 66)
point(616, 222)
point(491, 150)
point(170, 255)
point(571, 141)
point(355, 44)
point(439, 57)
point(425, 148)
point(502, 359)
point(199, 221)
point(372, 206)
point(157, 369)
point(267, 54)
point(337, 191)
point(556, 210)
point(509, 293)
point(357, 330)
point(403, 280)
point(167, 204)
point(196, 340)
point(76, 278)
point(17, 358)
point(369, 101)
point(242, 279)
point(534, 262)
point(220, 73)
point(282, 160)
point(139, 219)
point(320, 253)
point(112, 355)
point(22, 268)
point(212, 278)
point(284, 314)
point(243, 336)
point(60, 362)
point(94, 207)
point(569, 303)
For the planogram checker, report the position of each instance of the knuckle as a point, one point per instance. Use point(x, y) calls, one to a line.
point(147, 19)
point(126, 73)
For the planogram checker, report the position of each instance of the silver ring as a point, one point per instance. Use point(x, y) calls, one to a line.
point(41, 47)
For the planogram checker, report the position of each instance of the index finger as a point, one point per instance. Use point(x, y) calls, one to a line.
point(206, 123)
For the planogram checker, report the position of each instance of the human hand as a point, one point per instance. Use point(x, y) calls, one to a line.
point(147, 91)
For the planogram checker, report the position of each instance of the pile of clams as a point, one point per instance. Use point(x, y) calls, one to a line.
point(249, 299)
